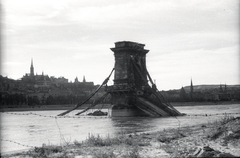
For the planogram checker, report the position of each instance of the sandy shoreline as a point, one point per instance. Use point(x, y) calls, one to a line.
point(212, 139)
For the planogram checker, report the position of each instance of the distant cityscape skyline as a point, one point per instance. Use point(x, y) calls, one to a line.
point(32, 74)
point(192, 39)
point(36, 90)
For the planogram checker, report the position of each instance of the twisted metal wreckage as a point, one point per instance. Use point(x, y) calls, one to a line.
point(131, 93)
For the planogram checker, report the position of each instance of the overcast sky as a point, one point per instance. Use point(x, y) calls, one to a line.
point(196, 39)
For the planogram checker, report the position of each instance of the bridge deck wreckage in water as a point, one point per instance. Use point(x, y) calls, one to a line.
point(131, 93)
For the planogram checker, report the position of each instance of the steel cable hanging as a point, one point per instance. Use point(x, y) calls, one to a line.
point(94, 104)
point(80, 104)
point(157, 93)
point(49, 116)
point(169, 108)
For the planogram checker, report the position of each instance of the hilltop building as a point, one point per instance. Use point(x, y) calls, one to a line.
point(84, 80)
point(32, 69)
point(223, 93)
point(42, 89)
point(45, 81)
point(29, 77)
point(40, 80)
point(76, 80)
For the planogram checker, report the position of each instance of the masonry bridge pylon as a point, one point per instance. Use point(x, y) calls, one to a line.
point(133, 92)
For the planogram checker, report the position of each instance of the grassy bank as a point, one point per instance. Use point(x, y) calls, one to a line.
point(220, 138)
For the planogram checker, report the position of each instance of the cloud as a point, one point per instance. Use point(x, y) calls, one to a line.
point(182, 36)
point(12, 63)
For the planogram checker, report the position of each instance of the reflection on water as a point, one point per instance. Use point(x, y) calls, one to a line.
point(34, 130)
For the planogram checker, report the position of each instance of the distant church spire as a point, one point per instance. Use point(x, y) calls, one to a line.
point(191, 86)
point(84, 80)
point(76, 80)
point(32, 69)
point(191, 90)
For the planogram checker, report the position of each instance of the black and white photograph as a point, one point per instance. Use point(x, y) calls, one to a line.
point(119, 79)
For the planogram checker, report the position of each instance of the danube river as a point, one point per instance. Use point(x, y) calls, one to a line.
point(23, 130)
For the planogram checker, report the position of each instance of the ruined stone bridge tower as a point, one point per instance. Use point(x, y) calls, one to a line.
point(131, 93)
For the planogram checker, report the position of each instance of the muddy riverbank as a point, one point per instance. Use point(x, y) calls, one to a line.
point(220, 138)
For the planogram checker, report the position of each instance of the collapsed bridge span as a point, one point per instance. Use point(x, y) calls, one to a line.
point(133, 92)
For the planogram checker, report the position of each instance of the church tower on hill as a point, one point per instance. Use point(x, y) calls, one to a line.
point(32, 69)
point(191, 90)
point(76, 80)
point(84, 80)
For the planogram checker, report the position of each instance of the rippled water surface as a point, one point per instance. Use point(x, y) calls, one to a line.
point(38, 128)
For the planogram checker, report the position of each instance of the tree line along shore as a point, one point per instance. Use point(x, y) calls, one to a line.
point(40, 90)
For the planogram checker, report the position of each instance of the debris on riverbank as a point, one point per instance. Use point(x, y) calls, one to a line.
point(220, 138)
